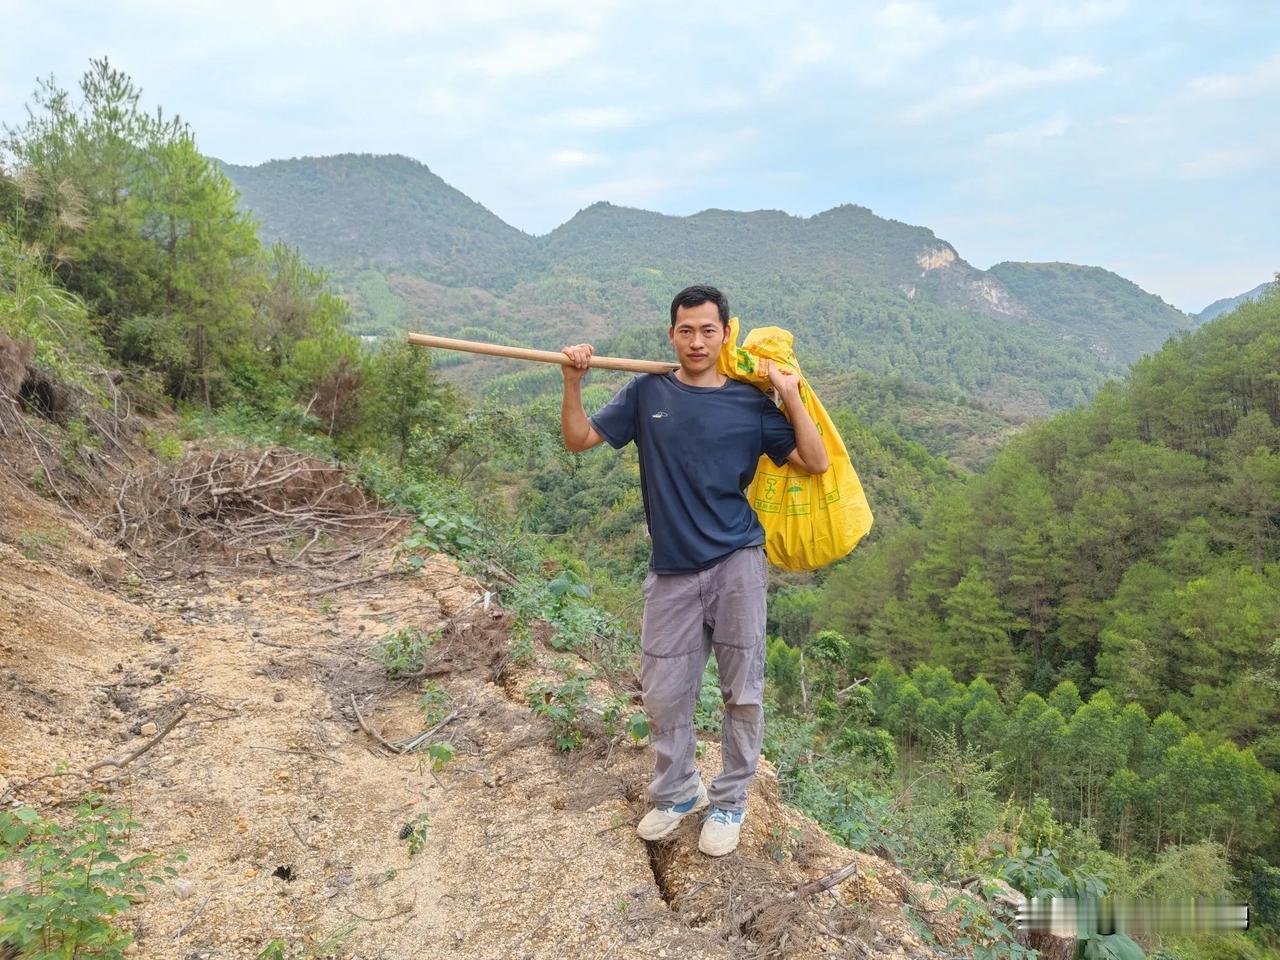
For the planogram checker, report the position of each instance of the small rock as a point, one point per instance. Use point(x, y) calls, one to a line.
point(251, 873)
point(148, 729)
point(279, 696)
point(183, 888)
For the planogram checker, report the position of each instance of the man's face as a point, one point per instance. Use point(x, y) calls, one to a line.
point(697, 336)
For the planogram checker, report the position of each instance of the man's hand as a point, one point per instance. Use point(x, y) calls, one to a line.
point(580, 354)
point(783, 379)
point(576, 429)
point(809, 455)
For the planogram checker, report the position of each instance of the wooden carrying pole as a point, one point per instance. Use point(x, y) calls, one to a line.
point(544, 356)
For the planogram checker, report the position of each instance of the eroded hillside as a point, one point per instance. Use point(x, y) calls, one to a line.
point(230, 699)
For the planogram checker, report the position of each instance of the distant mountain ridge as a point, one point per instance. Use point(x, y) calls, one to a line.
point(1110, 315)
point(415, 221)
point(859, 291)
point(1227, 304)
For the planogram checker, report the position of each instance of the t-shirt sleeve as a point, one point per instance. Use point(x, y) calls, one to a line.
point(616, 420)
point(778, 437)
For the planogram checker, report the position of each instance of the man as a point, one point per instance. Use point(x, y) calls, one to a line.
point(700, 436)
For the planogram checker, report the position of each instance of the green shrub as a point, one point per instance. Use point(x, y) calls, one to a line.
point(565, 705)
point(440, 754)
point(72, 880)
point(415, 833)
point(34, 308)
point(166, 447)
point(434, 702)
point(404, 652)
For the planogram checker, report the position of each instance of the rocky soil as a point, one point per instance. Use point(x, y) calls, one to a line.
point(291, 813)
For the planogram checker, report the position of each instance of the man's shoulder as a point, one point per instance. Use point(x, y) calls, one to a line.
point(744, 388)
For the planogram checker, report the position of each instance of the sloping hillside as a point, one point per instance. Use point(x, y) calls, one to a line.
point(359, 210)
point(240, 711)
point(1227, 304)
point(1111, 316)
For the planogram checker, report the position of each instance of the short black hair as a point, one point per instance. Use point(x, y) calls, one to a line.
point(696, 296)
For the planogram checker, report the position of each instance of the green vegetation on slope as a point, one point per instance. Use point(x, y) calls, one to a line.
point(356, 210)
point(1103, 311)
point(1133, 545)
point(1227, 304)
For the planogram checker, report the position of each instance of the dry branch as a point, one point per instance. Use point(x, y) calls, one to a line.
point(368, 729)
point(246, 504)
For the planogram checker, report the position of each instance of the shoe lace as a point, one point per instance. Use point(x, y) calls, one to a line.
point(721, 815)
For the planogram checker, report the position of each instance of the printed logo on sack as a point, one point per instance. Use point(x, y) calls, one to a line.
point(660, 415)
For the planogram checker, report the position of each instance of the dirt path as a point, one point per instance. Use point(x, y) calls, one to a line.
point(292, 815)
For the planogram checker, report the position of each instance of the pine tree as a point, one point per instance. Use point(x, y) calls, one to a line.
point(976, 637)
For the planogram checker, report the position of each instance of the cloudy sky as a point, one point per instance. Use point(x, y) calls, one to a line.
point(1140, 136)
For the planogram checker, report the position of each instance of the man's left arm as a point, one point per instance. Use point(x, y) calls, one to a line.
point(810, 454)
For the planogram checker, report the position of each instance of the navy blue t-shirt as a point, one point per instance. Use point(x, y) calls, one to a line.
point(699, 447)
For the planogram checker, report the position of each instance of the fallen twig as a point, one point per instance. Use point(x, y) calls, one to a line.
point(194, 917)
point(401, 911)
point(88, 774)
point(408, 746)
point(802, 892)
point(301, 839)
point(134, 755)
point(300, 753)
point(320, 591)
point(369, 730)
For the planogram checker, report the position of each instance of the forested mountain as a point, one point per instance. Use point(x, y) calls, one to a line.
point(1132, 546)
point(862, 293)
point(1112, 316)
point(355, 210)
point(1227, 304)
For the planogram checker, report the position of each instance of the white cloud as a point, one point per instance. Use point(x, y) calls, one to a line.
point(590, 118)
point(1215, 163)
point(999, 80)
point(1031, 136)
point(573, 158)
point(810, 48)
point(442, 101)
point(527, 53)
point(900, 33)
point(1264, 78)
point(1059, 17)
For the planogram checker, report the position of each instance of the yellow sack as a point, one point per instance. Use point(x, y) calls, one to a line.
point(809, 520)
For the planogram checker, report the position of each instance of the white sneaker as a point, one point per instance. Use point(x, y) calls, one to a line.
point(661, 821)
point(720, 832)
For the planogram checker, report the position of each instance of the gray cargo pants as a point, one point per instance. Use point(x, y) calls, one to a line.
point(686, 617)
